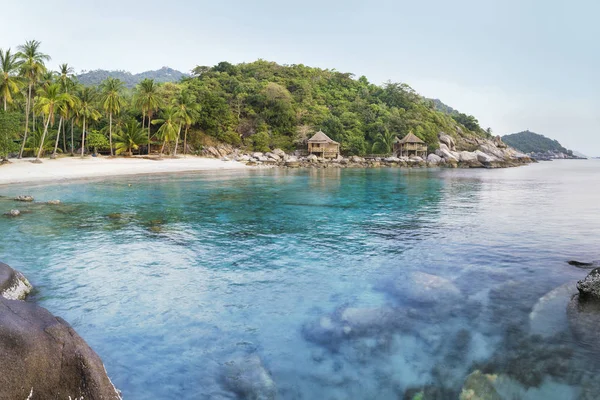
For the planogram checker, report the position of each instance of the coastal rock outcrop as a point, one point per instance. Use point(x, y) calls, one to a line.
point(583, 310)
point(247, 377)
point(589, 287)
point(41, 356)
point(13, 284)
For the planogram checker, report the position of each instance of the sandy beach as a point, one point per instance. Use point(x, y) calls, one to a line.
point(74, 168)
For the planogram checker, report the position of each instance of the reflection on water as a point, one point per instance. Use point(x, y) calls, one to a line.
point(360, 284)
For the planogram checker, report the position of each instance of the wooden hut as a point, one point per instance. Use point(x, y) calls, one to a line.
point(323, 146)
point(410, 145)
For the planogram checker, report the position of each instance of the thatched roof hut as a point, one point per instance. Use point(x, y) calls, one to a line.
point(410, 145)
point(322, 145)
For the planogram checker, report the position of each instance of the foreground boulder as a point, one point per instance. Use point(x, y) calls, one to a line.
point(589, 288)
point(247, 378)
point(13, 285)
point(41, 356)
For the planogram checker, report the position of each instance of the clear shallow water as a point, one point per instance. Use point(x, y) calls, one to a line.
point(198, 269)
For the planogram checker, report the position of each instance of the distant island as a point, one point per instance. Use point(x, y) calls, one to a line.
point(163, 75)
point(539, 146)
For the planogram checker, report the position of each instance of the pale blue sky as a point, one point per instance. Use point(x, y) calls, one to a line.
point(515, 65)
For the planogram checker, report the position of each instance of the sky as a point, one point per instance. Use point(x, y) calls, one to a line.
point(513, 64)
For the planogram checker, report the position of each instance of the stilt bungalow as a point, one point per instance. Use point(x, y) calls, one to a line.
point(323, 146)
point(410, 145)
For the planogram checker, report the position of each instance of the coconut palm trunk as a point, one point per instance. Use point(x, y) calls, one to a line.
point(185, 140)
point(177, 140)
point(83, 138)
point(149, 118)
point(110, 133)
point(27, 107)
point(43, 138)
point(58, 136)
point(72, 145)
point(64, 138)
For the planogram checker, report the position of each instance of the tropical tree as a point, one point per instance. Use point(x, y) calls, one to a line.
point(168, 126)
point(64, 107)
point(97, 140)
point(9, 81)
point(186, 112)
point(112, 102)
point(37, 143)
point(86, 110)
point(130, 138)
point(384, 142)
point(65, 77)
point(147, 98)
point(50, 99)
point(32, 67)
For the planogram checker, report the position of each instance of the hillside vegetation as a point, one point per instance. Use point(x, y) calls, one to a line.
point(96, 77)
point(531, 142)
point(263, 104)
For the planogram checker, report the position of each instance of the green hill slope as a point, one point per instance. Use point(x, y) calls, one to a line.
point(530, 142)
point(165, 74)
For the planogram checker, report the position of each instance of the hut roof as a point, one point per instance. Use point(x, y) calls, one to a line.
point(320, 137)
point(410, 138)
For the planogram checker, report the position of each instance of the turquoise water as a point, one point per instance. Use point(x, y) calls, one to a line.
point(170, 277)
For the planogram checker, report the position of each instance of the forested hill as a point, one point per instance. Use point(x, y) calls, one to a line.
point(265, 104)
point(530, 142)
point(165, 74)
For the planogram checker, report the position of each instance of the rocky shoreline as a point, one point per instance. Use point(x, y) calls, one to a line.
point(41, 355)
point(482, 153)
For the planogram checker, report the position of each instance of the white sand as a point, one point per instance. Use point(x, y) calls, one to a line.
point(73, 168)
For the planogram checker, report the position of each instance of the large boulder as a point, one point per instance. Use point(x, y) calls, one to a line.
point(589, 288)
point(446, 154)
point(279, 152)
point(13, 285)
point(447, 141)
point(247, 378)
point(434, 159)
point(467, 156)
point(312, 158)
point(483, 158)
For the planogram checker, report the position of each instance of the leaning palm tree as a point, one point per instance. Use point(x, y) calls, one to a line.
point(147, 99)
point(130, 138)
point(50, 99)
point(186, 112)
point(10, 83)
point(384, 142)
point(35, 144)
point(168, 127)
point(112, 102)
point(32, 67)
point(86, 110)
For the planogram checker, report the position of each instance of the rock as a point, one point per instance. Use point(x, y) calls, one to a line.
point(589, 288)
point(584, 264)
point(416, 159)
point(225, 159)
point(312, 158)
point(273, 156)
point(243, 158)
point(279, 152)
point(482, 157)
point(257, 154)
point(499, 143)
point(547, 317)
point(13, 285)
point(357, 159)
point(422, 288)
point(584, 320)
point(42, 357)
point(467, 156)
point(479, 387)
point(446, 154)
point(13, 213)
point(53, 202)
point(263, 159)
point(248, 378)
point(24, 198)
point(434, 159)
point(391, 159)
point(447, 140)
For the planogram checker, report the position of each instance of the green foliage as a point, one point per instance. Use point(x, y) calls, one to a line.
point(130, 137)
point(97, 141)
point(260, 141)
point(165, 74)
point(530, 142)
point(10, 127)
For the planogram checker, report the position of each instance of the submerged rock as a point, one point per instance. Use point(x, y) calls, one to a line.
point(549, 316)
point(53, 202)
point(13, 284)
point(584, 320)
point(583, 264)
point(589, 287)
point(24, 198)
point(479, 386)
point(423, 288)
point(248, 378)
point(13, 213)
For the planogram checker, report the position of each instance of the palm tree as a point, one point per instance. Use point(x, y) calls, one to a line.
point(64, 106)
point(35, 143)
point(147, 98)
point(112, 102)
point(49, 100)
point(186, 112)
point(9, 81)
point(130, 138)
point(65, 78)
point(32, 67)
point(168, 126)
point(86, 110)
point(384, 141)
